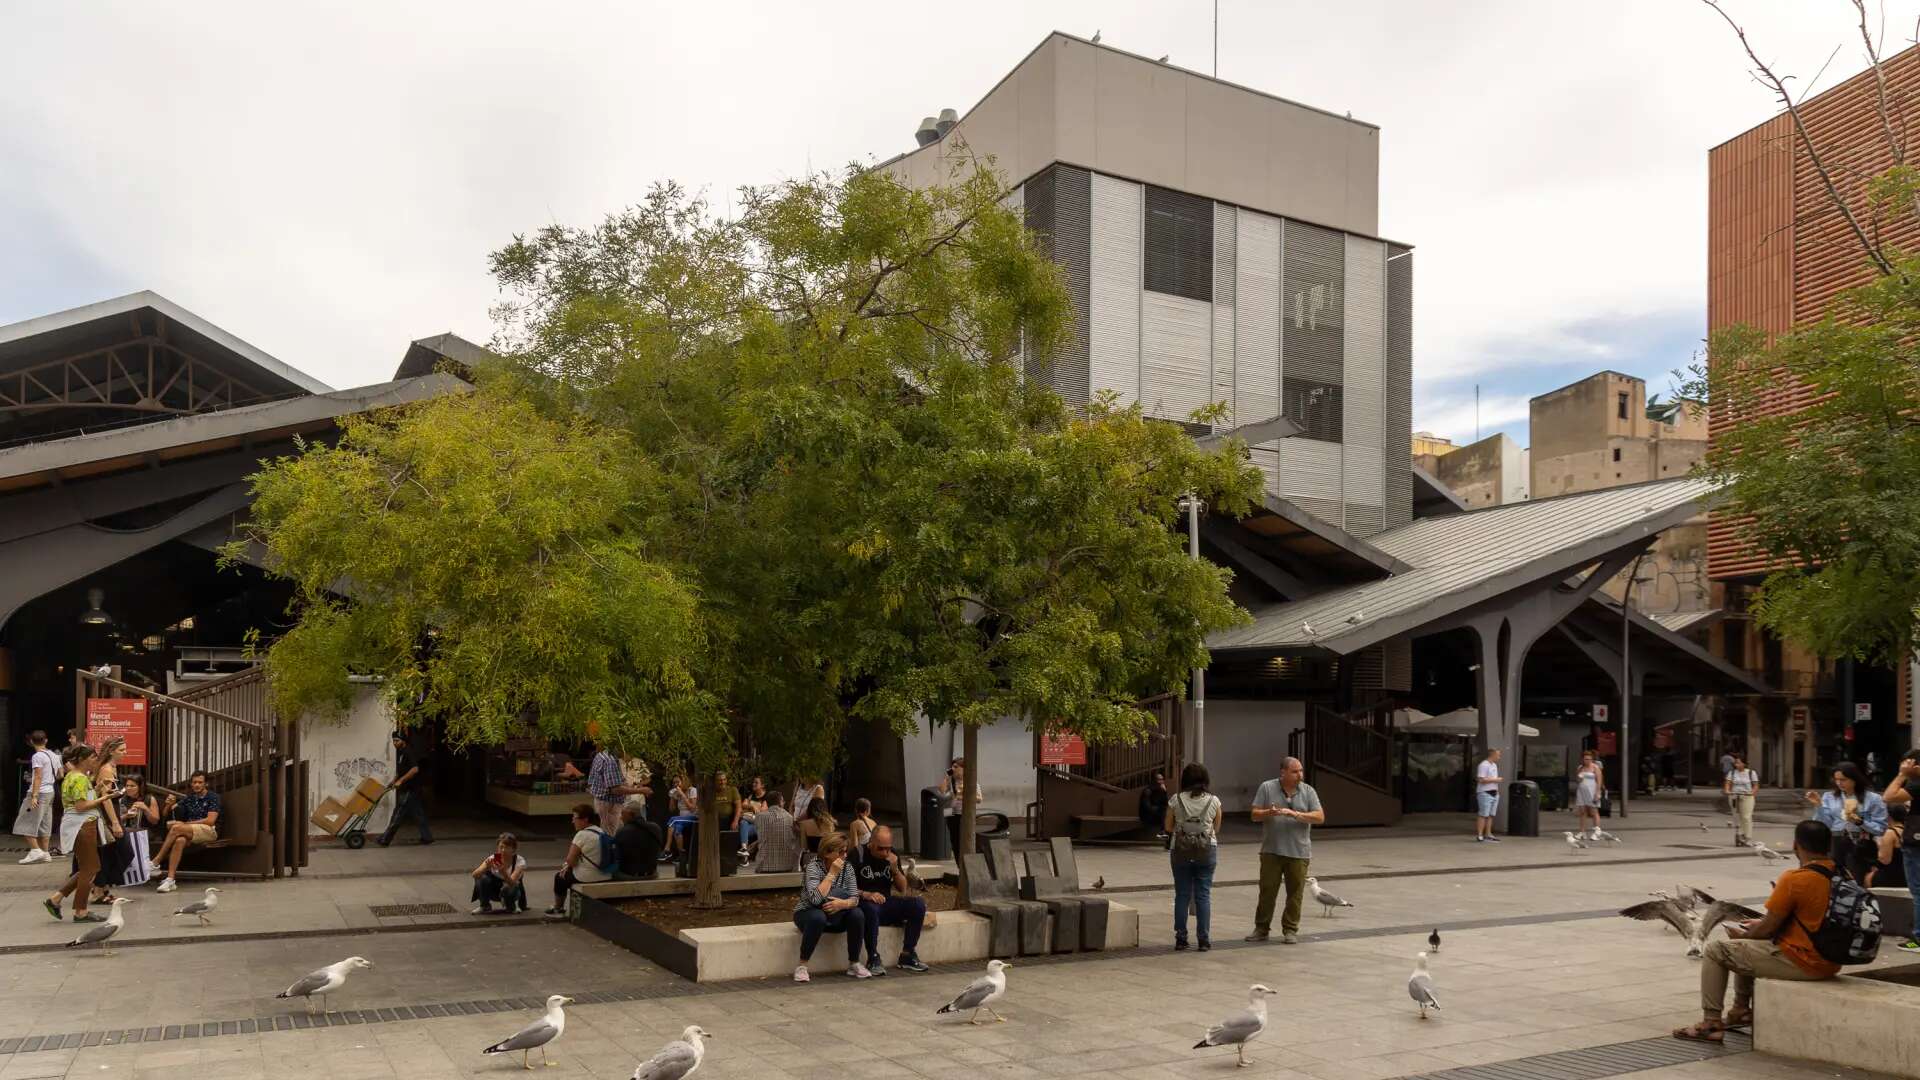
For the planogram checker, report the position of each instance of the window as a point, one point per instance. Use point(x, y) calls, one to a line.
point(1616, 453)
point(1315, 406)
point(1179, 242)
point(1620, 405)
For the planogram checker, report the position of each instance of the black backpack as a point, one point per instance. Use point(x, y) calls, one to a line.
point(1849, 933)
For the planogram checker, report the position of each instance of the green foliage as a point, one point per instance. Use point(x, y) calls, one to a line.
point(758, 476)
point(1831, 493)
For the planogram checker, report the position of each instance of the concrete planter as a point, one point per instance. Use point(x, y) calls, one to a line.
point(1869, 1021)
point(772, 950)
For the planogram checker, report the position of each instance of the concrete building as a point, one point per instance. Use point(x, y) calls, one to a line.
point(1778, 250)
point(1491, 472)
point(1600, 433)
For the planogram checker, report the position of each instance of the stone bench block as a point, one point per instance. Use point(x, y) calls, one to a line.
point(1869, 1021)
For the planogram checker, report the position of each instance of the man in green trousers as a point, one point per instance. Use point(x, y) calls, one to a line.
point(1287, 809)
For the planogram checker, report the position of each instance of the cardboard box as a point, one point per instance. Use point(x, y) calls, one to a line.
point(364, 796)
point(330, 817)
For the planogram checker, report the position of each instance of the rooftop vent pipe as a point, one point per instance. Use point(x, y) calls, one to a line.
point(948, 118)
point(929, 132)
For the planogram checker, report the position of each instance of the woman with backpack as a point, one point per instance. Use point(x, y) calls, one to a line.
point(590, 858)
point(1193, 823)
point(1855, 813)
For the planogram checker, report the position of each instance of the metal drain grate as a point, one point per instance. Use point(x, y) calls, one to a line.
point(1594, 1062)
point(399, 911)
point(1697, 847)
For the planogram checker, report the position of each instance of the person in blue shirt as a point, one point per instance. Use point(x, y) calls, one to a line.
point(1856, 814)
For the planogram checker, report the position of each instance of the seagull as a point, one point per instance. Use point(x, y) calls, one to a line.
point(202, 907)
point(1602, 834)
point(1306, 628)
point(1703, 827)
point(1420, 986)
point(1096, 37)
point(1328, 901)
point(1355, 618)
point(1575, 842)
point(1693, 925)
point(1767, 854)
point(101, 933)
point(1242, 1027)
point(1164, 59)
point(678, 1059)
point(981, 994)
point(323, 982)
point(914, 881)
point(1433, 940)
point(539, 1033)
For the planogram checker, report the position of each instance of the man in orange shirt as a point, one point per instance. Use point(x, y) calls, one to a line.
point(1779, 946)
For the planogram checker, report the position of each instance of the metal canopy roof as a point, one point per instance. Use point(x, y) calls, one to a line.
point(1681, 622)
point(1462, 559)
point(1599, 617)
point(441, 352)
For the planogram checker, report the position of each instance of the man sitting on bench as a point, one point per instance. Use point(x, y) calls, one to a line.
point(192, 821)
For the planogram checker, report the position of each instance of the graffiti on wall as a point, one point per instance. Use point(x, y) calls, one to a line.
point(348, 774)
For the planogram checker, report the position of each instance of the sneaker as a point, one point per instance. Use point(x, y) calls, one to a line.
point(1289, 938)
point(37, 855)
point(800, 974)
point(168, 886)
point(1257, 935)
point(911, 963)
point(1492, 839)
point(153, 868)
point(53, 909)
point(1180, 945)
point(1477, 838)
point(858, 971)
point(1205, 945)
point(1910, 945)
point(876, 969)
point(481, 908)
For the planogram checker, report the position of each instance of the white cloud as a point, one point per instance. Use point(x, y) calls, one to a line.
point(326, 181)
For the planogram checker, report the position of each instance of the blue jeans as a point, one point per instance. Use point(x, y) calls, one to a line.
point(1910, 857)
point(1193, 881)
point(746, 832)
point(907, 912)
point(814, 922)
point(408, 807)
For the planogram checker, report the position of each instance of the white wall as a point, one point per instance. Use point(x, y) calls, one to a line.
point(1246, 741)
point(342, 753)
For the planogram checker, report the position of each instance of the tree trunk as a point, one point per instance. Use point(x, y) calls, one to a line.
point(970, 751)
point(706, 872)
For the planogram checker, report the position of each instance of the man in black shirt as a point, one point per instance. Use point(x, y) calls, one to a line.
point(638, 842)
point(409, 778)
point(876, 871)
point(1153, 804)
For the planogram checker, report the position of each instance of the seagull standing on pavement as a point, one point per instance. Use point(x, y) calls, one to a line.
point(539, 1033)
point(1602, 834)
point(1575, 842)
point(981, 994)
point(1327, 900)
point(323, 982)
point(202, 907)
point(1766, 853)
point(101, 933)
point(1420, 986)
point(678, 1059)
point(1242, 1027)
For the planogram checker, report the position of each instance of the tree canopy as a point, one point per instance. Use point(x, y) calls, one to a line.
point(757, 475)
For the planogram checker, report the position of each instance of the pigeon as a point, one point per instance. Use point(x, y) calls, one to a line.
point(1433, 940)
point(1100, 883)
point(539, 1033)
point(1694, 925)
point(1420, 986)
point(202, 907)
point(101, 933)
point(323, 982)
point(981, 994)
point(1575, 842)
point(1242, 1027)
point(1327, 900)
point(678, 1059)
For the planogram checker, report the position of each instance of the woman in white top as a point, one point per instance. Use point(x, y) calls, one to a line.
point(1193, 823)
point(1740, 786)
point(1592, 780)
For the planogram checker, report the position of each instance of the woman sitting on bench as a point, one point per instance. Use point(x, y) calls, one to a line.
point(192, 821)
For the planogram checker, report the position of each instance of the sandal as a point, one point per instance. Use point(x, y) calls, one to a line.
point(1738, 1019)
point(1706, 1031)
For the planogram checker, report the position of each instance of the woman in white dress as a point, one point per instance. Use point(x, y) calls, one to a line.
point(1591, 780)
point(140, 812)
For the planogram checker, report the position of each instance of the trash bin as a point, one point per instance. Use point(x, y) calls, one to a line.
point(933, 827)
point(1523, 808)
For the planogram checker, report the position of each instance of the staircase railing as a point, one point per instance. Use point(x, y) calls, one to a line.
point(1357, 751)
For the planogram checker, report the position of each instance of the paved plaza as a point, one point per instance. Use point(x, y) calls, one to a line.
point(1532, 964)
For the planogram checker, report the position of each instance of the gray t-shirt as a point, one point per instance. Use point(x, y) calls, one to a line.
point(1285, 835)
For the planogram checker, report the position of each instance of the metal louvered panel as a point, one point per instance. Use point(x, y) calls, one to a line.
point(1396, 664)
point(1055, 202)
point(1256, 313)
point(1176, 345)
point(1369, 668)
point(1365, 520)
point(1115, 288)
point(1397, 428)
point(1327, 510)
point(1310, 469)
point(1268, 461)
point(1312, 307)
point(1178, 244)
point(1363, 342)
point(1363, 475)
point(1224, 262)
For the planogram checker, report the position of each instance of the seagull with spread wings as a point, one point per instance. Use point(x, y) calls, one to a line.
point(1695, 923)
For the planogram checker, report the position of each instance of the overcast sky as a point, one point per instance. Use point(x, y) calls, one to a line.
point(328, 186)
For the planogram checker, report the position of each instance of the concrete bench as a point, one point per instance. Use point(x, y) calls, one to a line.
point(1863, 1021)
point(673, 886)
point(764, 950)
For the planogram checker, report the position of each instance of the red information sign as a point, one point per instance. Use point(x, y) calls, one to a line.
point(1063, 750)
point(1607, 742)
point(125, 717)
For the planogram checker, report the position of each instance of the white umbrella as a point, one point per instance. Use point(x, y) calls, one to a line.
point(1458, 722)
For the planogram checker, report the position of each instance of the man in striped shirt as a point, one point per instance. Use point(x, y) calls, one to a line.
point(608, 786)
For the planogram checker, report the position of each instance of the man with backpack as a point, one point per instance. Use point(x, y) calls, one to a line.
point(1817, 919)
point(590, 857)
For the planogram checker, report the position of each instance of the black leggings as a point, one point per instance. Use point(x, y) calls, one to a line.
point(814, 921)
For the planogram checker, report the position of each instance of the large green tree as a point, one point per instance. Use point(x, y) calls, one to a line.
point(764, 474)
